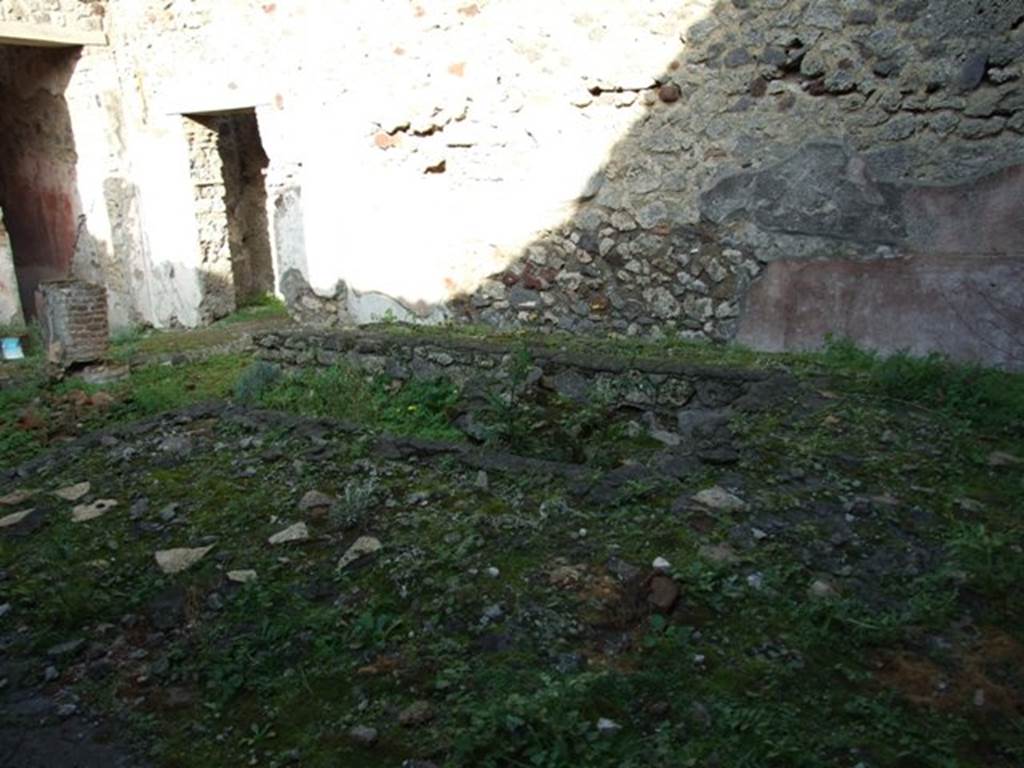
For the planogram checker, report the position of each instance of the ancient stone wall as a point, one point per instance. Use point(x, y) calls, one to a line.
point(678, 161)
point(211, 216)
point(789, 131)
point(694, 398)
point(770, 171)
point(38, 190)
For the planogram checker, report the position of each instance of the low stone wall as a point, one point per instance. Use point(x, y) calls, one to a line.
point(647, 384)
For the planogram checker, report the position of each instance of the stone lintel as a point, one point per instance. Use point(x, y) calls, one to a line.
point(47, 36)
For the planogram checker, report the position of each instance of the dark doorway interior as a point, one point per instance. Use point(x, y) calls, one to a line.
point(38, 186)
point(228, 169)
point(245, 197)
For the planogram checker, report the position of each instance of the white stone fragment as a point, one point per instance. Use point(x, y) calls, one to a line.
point(719, 499)
point(297, 532)
point(364, 545)
point(177, 560)
point(86, 512)
point(14, 518)
point(73, 492)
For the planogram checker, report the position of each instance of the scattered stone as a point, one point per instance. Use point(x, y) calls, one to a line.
point(670, 93)
point(138, 509)
point(661, 565)
point(720, 554)
point(315, 500)
point(14, 498)
point(177, 560)
point(242, 577)
point(178, 698)
point(417, 713)
point(719, 499)
point(966, 504)
point(607, 727)
point(364, 546)
point(493, 572)
point(822, 590)
point(492, 613)
point(756, 580)
point(663, 595)
point(758, 534)
point(177, 445)
point(570, 663)
point(5, 609)
point(1003, 459)
point(168, 513)
point(83, 513)
point(50, 674)
point(483, 482)
point(64, 711)
point(623, 571)
point(66, 649)
point(297, 532)
point(13, 519)
point(73, 492)
point(363, 735)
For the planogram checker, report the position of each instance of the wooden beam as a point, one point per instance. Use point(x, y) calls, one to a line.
point(47, 36)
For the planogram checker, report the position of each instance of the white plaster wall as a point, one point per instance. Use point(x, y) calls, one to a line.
point(183, 58)
point(518, 152)
point(10, 302)
point(327, 76)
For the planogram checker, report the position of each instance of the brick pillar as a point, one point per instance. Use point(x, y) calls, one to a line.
point(73, 318)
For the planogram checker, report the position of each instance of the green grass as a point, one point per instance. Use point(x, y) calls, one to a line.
point(36, 412)
point(292, 661)
point(417, 407)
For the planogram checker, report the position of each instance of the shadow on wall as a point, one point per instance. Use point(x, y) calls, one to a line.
point(43, 213)
point(800, 169)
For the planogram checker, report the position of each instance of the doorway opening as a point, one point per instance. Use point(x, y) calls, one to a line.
point(38, 179)
point(229, 165)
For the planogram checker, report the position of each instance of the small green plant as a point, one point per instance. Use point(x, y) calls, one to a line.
point(373, 630)
point(256, 380)
point(356, 500)
point(993, 561)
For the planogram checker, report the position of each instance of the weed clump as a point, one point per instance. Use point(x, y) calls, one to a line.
point(256, 380)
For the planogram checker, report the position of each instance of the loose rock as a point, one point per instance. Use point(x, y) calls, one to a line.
point(16, 497)
point(417, 713)
point(86, 512)
point(719, 499)
point(363, 735)
point(73, 492)
point(14, 518)
point(242, 577)
point(364, 545)
point(822, 590)
point(661, 565)
point(177, 560)
point(315, 500)
point(720, 554)
point(1003, 459)
point(663, 595)
point(297, 532)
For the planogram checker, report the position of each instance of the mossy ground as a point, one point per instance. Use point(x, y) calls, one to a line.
point(876, 476)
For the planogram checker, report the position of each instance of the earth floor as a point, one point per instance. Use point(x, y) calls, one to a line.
point(188, 578)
